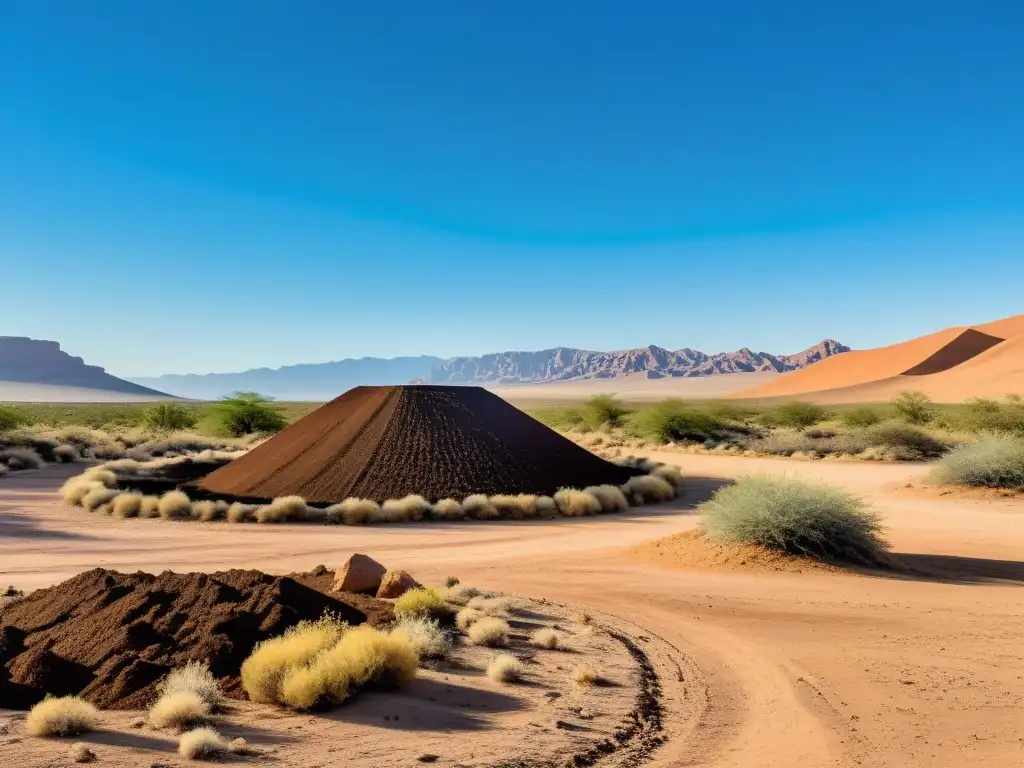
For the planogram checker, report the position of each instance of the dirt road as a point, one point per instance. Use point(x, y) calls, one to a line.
point(809, 669)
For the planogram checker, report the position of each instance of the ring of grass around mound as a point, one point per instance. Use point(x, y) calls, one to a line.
point(151, 489)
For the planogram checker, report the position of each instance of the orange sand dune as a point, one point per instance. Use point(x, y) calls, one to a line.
point(951, 365)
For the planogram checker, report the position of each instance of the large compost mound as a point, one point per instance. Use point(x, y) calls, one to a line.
point(388, 442)
point(110, 637)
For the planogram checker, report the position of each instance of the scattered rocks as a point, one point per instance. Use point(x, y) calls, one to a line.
point(396, 584)
point(361, 574)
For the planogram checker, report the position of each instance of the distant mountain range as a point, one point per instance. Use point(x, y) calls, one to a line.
point(31, 369)
point(322, 381)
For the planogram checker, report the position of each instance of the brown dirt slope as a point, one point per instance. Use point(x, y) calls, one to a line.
point(387, 442)
point(949, 366)
point(110, 637)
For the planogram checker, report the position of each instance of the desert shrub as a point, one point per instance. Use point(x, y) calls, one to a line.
point(64, 716)
point(97, 498)
point(575, 503)
point(168, 416)
point(425, 635)
point(354, 511)
point(478, 507)
point(488, 630)
point(582, 675)
point(179, 710)
point(505, 668)
point(66, 454)
point(671, 475)
point(545, 638)
point(673, 421)
point(460, 594)
point(11, 419)
point(127, 505)
point(995, 461)
point(796, 414)
point(195, 677)
point(796, 517)
point(489, 606)
point(981, 415)
point(604, 411)
point(422, 601)
point(247, 413)
point(282, 509)
point(362, 656)
point(80, 753)
point(21, 458)
point(75, 489)
point(451, 581)
point(583, 618)
point(914, 407)
point(648, 489)
point(174, 505)
point(202, 744)
point(205, 511)
point(610, 497)
point(265, 667)
point(449, 509)
point(411, 507)
point(861, 416)
point(241, 513)
point(916, 443)
point(465, 618)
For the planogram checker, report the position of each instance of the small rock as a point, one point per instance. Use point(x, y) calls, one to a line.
point(427, 758)
point(396, 584)
point(140, 723)
point(360, 573)
point(81, 753)
point(320, 570)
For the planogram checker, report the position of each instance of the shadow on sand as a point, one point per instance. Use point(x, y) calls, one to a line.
point(953, 569)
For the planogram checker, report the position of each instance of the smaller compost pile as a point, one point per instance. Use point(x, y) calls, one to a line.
point(111, 637)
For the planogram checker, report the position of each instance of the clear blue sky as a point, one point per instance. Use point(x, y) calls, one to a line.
point(197, 186)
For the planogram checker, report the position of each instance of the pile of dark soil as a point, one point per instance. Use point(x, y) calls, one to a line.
point(167, 476)
point(110, 637)
point(387, 442)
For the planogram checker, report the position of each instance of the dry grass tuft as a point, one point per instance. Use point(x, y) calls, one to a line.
point(449, 509)
point(585, 676)
point(282, 509)
point(127, 505)
point(583, 618)
point(205, 511)
point(80, 753)
point(545, 638)
point(97, 497)
point(195, 677)
point(241, 513)
point(421, 601)
point(648, 489)
point(263, 671)
point(425, 635)
point(363, 655)
point(66, 454)
point(489, 606)
point(490, 631)
point(202, 744)
point(150, 507)
point(672, 475)
point(478, 507)
point(575, 503)
point(22, 458)
point(174, 505)
point(460, 594)
point(179, 710)
point(100, 475)
point(505, 668)
point(610, 497)
point(64, 716)
point(76, 488)
point(546, 507)
point(465, 618)
point(411, 508)
point(353, 511)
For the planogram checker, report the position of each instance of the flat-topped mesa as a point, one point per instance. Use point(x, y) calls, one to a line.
point(388, 442)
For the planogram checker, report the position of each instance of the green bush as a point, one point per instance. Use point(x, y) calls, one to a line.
point(995, 461)
point(795, 517)
point(604, 411)
point(980, 415)
point(168, 416)
point(796, 414)
point(246, 413)
point(914, 407)
point(861, 416)
point(918, 442)
point(10, 419)
point(672, 421)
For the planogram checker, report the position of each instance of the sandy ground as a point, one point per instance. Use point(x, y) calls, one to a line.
point(634, 387)
point(757, 669)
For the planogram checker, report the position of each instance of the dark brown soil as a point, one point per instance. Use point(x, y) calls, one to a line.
point(387, 442)
point(110, 637)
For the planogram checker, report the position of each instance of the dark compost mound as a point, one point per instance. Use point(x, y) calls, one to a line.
point(110, 637)
point(388, 442)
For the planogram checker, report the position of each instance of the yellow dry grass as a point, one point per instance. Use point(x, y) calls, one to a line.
point(63, 716)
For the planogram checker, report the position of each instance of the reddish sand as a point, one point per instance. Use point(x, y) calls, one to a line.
point(949, 366)
point(387, 442)
point(758, 669)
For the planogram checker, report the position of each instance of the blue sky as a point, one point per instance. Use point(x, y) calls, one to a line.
point(194, 186)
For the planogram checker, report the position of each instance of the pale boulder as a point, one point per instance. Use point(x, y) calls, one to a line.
point(360, 573)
